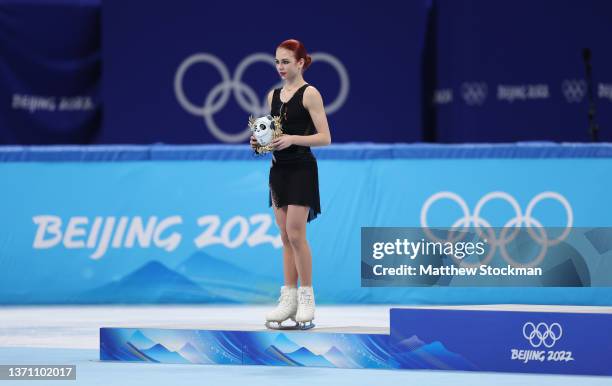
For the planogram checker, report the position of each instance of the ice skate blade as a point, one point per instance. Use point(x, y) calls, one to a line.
point(305, 325)
point(297, 326)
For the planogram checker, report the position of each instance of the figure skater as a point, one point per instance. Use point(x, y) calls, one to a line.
point(294, 181)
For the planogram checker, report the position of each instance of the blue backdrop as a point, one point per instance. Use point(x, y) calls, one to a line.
point(157, 224)
point(50, 65)
point(420, 70)
point(513, 70)
point(168, 67)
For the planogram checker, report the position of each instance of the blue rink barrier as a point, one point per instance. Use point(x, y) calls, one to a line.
point(430, 339)
point(179, 224)
point(348, 151)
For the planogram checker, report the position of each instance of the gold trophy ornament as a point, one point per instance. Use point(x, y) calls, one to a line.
point(265, 130)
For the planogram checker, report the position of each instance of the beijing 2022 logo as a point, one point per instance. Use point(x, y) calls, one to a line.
point(217, 97)
point(541, 336)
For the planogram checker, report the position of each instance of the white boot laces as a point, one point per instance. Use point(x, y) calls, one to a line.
point(284, 298)
point(306, 299)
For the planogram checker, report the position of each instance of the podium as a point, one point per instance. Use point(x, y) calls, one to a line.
point(504, 338)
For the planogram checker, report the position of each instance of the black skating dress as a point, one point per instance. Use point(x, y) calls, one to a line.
point(294, 177)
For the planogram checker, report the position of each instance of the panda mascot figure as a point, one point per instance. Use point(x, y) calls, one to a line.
point(265, 130)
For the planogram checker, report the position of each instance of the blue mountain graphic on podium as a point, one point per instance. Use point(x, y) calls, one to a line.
point(140, 341)
point(273, 356)
point(339, 359)
point(152, 283)
point(193, 355)
point(433, 355)
point(308, 358)
point(228, 280)
point(161, 354)
point(285, 344)
point(412, 343)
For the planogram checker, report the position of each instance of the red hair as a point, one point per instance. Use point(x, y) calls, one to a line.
point(298, 50)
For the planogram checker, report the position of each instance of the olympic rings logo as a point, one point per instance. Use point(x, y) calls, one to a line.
point(515, 223)
point(246, 97)
point(474, 93)
point(542, 334)
point(574, 90)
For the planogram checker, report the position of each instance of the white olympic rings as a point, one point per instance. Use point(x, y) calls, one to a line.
point(542, 334)
point(247, 98)
point(530, 222)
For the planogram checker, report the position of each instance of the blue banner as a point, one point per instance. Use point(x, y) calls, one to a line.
point(440, 71)
point(193, 72)
point(50, 70)
point(184, 230)
point(514, 70)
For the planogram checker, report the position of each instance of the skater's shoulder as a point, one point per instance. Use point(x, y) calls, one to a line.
point(312, 97)
point(309, 89)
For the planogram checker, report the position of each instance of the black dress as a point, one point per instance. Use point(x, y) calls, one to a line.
point(294, 177)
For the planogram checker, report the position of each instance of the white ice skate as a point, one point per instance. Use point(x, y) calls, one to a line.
point(305, 309)
point(286, 308)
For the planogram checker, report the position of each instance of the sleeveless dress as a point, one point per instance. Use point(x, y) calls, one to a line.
point(294, 177)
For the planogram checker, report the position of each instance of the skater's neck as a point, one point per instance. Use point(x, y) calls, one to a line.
point(294, 83)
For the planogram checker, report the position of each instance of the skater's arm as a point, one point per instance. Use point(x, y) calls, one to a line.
point(313, 102)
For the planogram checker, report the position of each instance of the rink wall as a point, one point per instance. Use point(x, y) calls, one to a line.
point(191, 224)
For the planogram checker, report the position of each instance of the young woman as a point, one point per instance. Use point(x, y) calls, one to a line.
point(294, 181)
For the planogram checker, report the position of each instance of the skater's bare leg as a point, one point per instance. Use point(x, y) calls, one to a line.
point(296, 234)
point(289, 268)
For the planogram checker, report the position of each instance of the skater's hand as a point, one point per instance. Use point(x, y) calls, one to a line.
point(254, 143)
point(282, 142)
